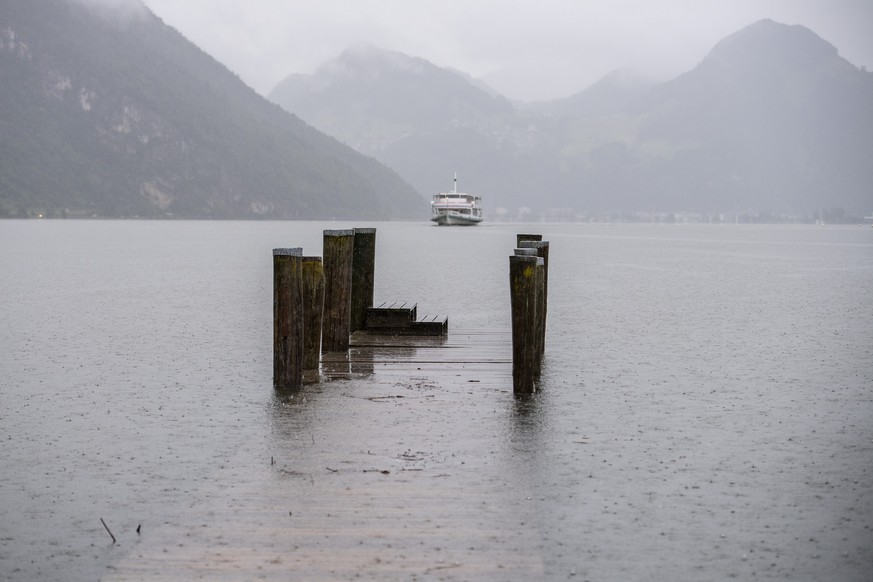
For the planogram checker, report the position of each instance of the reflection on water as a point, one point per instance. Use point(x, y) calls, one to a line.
point(528, 417)
point(346, 365)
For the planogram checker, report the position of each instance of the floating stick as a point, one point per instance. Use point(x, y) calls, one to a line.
point(107, 530)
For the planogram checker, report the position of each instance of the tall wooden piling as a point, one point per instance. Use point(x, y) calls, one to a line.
point(338, 254)
point(363, 276)
point(287, 318)
point(313, 311)
point(540, 321)
point(542, 248)
point(523, 301)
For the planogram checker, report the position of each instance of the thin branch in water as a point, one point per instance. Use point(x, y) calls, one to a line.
point(107, 530)
point(446, 567)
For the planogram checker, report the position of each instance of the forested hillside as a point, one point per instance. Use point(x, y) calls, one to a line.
point(109, 112)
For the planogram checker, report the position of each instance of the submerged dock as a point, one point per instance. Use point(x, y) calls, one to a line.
point(382, 473)
point(382, 467)
point(483, 353)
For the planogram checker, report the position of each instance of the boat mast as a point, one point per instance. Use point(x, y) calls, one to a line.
point(455, 186)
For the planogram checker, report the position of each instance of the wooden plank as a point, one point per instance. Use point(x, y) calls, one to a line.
point(465, 347)
point(397, 315)
point(437, 325)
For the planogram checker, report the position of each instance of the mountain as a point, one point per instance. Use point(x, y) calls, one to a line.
point(772, 120)
point(424, 121)
point(106, 111)
point(371, 98)
point(608, 96)
point(772, 117)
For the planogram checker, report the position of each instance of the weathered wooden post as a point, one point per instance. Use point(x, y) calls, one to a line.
point(363, 276)
point(287, 318)
point(338, 252)
point(542, 248)
point(523, 302)
point(539, 323)
point(313, 311)
point(519, 238)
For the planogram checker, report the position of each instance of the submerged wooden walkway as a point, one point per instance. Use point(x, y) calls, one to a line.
point(394, 460)
point(489, 352)
point(393, 465)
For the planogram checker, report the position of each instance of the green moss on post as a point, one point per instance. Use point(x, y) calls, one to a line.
point(287, 318)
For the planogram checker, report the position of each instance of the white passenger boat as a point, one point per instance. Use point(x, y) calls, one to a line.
point(456, 208)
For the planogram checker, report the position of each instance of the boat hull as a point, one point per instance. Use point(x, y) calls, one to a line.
point(456, 219)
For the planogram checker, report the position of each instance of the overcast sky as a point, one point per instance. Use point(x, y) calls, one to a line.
point(527, 49)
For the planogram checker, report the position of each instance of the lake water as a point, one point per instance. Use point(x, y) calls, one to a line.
point(706, 408)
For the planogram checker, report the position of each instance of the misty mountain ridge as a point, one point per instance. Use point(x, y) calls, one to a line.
point(107, 111)
point(768, 41)
point(610, 95)
point(771, 119)
point(371, 98)
point(786, 119)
